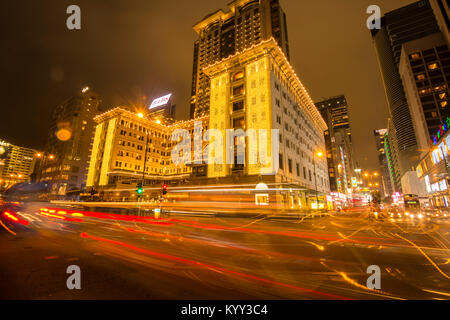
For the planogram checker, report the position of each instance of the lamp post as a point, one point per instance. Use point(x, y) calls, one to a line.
point(319, 154)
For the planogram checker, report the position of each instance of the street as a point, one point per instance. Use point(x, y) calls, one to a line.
point(191, 257)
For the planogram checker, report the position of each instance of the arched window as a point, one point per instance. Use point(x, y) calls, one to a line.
point(238, 76)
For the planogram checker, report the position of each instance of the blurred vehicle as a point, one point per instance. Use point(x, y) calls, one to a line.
point(411, 203)
point(27, 191)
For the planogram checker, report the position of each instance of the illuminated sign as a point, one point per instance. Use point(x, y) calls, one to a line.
point(442, 130)
point(160, 101)
point(354, 182)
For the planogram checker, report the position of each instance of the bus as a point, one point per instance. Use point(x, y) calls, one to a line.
point(412, 202)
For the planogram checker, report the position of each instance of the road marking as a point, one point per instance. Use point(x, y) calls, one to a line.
point(425, 255)
point(437, 292)
point(7, 229)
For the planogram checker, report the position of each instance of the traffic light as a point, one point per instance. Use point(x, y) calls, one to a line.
point(139, 189)
point(164, 189)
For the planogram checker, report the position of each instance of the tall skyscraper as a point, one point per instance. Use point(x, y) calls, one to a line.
point(425, 72)
point(222, 34)
point(68, 145)
point(400, 26)
point(390, 147)
point(380, 136)
point(338, 139)
point(441, 10)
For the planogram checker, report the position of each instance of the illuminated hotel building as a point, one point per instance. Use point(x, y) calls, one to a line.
point(222, 34)
point(258, 89)
point(16, 163)
point(119, 159)
point(67, 148)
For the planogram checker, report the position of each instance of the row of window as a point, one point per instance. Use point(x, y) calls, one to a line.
point(307, 174)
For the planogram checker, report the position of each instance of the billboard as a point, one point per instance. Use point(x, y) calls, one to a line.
point(160, 101)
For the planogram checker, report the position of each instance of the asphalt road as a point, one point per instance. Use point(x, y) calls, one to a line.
point(186, 257)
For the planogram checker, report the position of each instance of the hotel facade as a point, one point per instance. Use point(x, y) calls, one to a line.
point(254, 91)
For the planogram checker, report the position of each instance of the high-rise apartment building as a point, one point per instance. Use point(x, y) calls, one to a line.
point(398, 27)
point(380, 140)
point(16, 164)
point(425, 72)
point(222, 34)
point(338, 138)
point(68, 145)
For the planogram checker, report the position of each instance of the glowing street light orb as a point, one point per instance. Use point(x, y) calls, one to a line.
point(158, 121)
point(64, 134)
point(140, 115)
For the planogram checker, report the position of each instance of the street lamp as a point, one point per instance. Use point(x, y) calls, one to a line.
point(319, 154)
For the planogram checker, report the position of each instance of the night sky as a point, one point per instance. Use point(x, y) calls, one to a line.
point(128, 49)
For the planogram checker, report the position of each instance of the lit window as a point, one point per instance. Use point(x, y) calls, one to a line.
point(443, 95)
point(239, 90)
point(415, 56)
point(433, 66)
point(444, 104)
point(421, 76)
point(238, 76)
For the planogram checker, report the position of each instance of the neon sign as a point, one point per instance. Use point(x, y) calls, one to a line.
point(442, 130)
point(160, 101)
